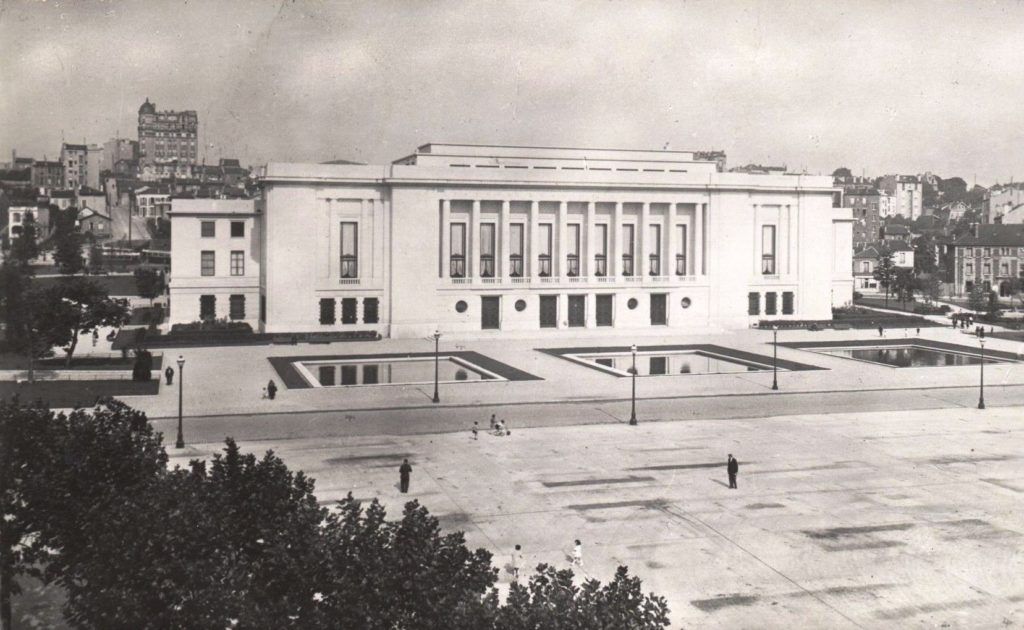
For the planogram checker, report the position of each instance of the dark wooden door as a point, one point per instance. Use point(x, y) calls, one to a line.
point(577, 311)
point(604, 310)
point(549, 311)
point(658, 302)
point(490, 312)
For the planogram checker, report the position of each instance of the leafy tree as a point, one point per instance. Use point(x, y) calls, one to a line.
point(930, 286)
point(159, 228)
point(924, 254)
point(67, 241)
point(149, 283)
point(953, 189)
point(885, 273)
point(842, 172)
point(21, 308)
point(95, 257)
point(25, 247)
point(904, 285)
point(76, 306)
point(977, 301)
point(63, 478)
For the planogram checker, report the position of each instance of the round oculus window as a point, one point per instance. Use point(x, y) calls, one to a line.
point(461, 306)
point(632, 303)
point(520, 305)
point(685, 302)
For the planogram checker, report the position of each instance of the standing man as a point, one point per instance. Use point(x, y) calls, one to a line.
point(169, 373)
point(403, 476)
point(476, 429)
point(271, 389)
point(517, 561)
point(733, 467)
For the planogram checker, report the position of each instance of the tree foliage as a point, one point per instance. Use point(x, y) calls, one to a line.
point(842, 171)
point(89, 504)
point(75, 306)
point(150, 283)
point(885, 273)
point(67, 241)
point(25, 247)
point(977, 299)
point(924, 254)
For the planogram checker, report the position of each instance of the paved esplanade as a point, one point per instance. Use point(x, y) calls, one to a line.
point(863, 520)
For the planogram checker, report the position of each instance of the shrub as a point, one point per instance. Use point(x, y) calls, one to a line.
point(857, 295)
point(142, 370)
point(219, 325)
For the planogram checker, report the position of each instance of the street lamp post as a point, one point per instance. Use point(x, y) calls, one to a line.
point(180, 443)
point(981, 394)
point(632, 408)
point(775, 357)
point(437, 341)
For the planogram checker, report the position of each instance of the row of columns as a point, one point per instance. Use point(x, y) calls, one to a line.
point(615, 247)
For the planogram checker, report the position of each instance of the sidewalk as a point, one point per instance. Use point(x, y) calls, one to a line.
point(860, 520)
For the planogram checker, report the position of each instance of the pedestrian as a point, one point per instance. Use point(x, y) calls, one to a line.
point(169, 373)
point(403, 475)
point(271, 389)
point(95, 337)
point(494, 423)
point(918, 332)
point(733, 467)
point(476, 429)
point(577, 554)
point(517, 561)
point(879, 331)
point(499, 428)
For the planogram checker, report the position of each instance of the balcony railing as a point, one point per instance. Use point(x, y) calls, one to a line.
point(547, 281)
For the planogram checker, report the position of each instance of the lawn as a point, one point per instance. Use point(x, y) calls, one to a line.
point(63, 394)
point(116, 286)
point(17, 362)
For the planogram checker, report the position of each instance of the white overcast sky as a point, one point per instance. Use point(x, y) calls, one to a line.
point(876, 86)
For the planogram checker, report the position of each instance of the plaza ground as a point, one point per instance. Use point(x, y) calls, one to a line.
point(852, 520)
point(870, 496)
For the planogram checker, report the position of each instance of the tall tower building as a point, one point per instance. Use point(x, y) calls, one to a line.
point(168, 136)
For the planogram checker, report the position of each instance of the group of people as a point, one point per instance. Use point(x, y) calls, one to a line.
point(498, 428)
point(517, 558)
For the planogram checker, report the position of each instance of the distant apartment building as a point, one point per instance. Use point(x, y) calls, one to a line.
point(121, 150)
point(215, 261)
point(991, 256)
point(866, 261)
point(151, 202)
point(167, 136)
point(63, 199)
point(908, 193)
point(47, 174)
point(867, 218)
point(1005, 204)
point(82, 165)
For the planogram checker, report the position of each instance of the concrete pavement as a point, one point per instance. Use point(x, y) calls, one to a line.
point(845, 520)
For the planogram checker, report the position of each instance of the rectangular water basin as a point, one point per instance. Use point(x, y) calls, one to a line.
point(667, 363)
point(907, 356)
point(391, 371)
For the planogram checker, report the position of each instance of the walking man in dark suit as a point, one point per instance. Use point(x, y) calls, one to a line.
point(733, 467)
point(403, 475)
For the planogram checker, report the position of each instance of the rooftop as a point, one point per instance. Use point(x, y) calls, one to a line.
point(994, 235)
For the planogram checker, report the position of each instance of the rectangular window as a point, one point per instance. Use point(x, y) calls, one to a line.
point(208, 229)
point(680, 250)
point(457, 253)
point(349, 374)
point(327, 311)
point(349, 249)
point(207, 264)
point(326, 375)
point(969, 269)
point(658, 365)
point(768, 250)
point(544, 257)
point(263, 308)
point(753, 303)
point(572, 257)
point(348, 310)
point(371, 309)
point(988, 252)
point(769, 303)
point(237, 229)
point(605, 309)
point(237, 306)
point(371, 374)
point(787, 302)
point(601, 251)
point(207, 307)
point(237, 263)
point(627, 250)
point(988, 269)
point(654, 258)
point(486, 250)
point(1004, 269)
point(515, 244)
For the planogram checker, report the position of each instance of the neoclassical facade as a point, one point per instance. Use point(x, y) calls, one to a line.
point(471, 239)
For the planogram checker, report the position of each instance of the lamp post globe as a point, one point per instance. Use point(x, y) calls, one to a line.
point(180, 442)
point(437, 341)
point(632, 406)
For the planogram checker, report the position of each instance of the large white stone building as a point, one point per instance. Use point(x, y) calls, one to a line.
point(467, 239)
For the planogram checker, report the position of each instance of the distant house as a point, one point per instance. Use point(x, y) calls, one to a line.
point(866, 261)
point(990, 256)
point(896, 232)
point(17, 216)
point(94, 222)
point(956, 211)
